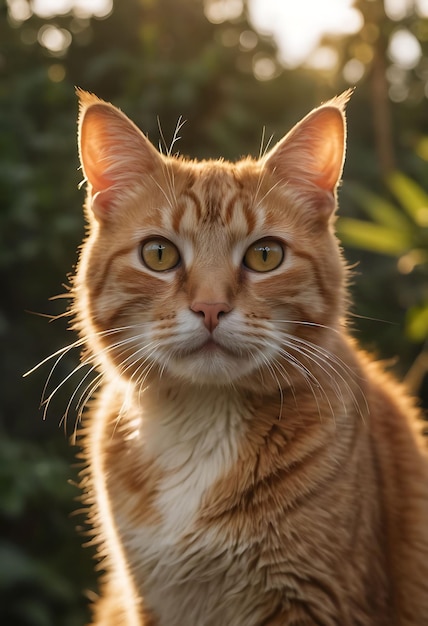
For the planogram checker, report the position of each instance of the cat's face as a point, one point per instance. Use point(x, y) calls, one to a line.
point(209, 272)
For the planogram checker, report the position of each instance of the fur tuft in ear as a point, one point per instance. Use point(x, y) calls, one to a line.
point(114, 153)
point(313, 151)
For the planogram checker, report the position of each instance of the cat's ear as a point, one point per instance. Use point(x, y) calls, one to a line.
point(114, 153)
point(312, 154)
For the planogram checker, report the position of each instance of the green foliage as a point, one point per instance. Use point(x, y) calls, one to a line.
point(40, 584)
point(398, 227)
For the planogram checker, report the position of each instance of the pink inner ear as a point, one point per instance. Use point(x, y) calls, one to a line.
point(96, 148)
point(114, 153)
point(328, 146)
point(313, 150)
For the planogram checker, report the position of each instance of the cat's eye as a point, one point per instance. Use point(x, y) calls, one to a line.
point(264, 255)
point(159, 254)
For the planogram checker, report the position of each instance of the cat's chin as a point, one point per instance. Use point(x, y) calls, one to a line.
point(212, 364)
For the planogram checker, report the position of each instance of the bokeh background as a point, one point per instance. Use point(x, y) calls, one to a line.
point(230, 68)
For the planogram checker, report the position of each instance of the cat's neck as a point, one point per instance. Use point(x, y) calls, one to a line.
point(190, 416)
point(172, 418)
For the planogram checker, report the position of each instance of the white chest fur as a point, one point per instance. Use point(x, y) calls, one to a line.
point(194, 438)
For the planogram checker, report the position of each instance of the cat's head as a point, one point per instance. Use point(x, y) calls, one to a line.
point(210, 272)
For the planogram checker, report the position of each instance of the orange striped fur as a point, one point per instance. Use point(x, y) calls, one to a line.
point(247, 465)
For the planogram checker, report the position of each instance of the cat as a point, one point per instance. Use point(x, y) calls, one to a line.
point(247, 464)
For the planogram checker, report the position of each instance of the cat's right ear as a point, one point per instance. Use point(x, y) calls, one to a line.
point(114, 153)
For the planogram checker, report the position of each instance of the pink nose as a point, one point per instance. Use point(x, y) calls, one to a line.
point(211, 312)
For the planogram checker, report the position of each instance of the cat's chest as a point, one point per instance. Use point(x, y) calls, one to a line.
point(172, 462)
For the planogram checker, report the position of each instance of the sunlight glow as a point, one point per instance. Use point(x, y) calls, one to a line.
point(218, 11)
point(404, 49)
point(353, 71)
point(323, 58)
point(81, 8)
point(422, 7)
point(54, 39)
point(264, 68)
point(398, 9)
point(19, 10)
point(298, 27)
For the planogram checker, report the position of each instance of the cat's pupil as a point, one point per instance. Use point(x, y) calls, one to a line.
point(264, 255)
point(159, 255)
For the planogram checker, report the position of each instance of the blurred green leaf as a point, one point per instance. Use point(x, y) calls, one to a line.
point(417, 323)
point(379, 209)
point(412, 197)
point(373, 237)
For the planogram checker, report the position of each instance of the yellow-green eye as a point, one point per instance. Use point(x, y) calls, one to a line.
point(264, 255)
point(159, 254)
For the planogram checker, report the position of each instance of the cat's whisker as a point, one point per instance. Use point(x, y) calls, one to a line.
point(141, 380)
point(335, 363)
point(46, 399)
point(322, 358)
point(307, 375)
point(142, 367)
point(180, 123)
point(74, 394)
point(76, 344)
point(49, 378)
point(162, 190)
point(336, 387)
point(312, 382)
point(306, 323)
point(124, 343)
point(310, 352)
point(268, 192)
point(287, 377)
point(133, 358)
point(61, 351)
point(85, 397)
point(167, 170)
point(262, 172)
point(272, 366)
point(175, 137)
point(260, 179)
point(164, 366)
point(264, 148)
point(306, 372)
point(321, 390)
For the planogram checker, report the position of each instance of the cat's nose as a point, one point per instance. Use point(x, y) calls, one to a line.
point(211, 311)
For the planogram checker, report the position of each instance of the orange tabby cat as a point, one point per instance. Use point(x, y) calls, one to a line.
point(247, 465)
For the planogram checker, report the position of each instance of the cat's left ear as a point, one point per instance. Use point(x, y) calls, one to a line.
point(311, 156)
point(114, 153)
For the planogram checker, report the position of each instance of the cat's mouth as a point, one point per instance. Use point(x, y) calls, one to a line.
point(209, 360)
point(211, 347)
